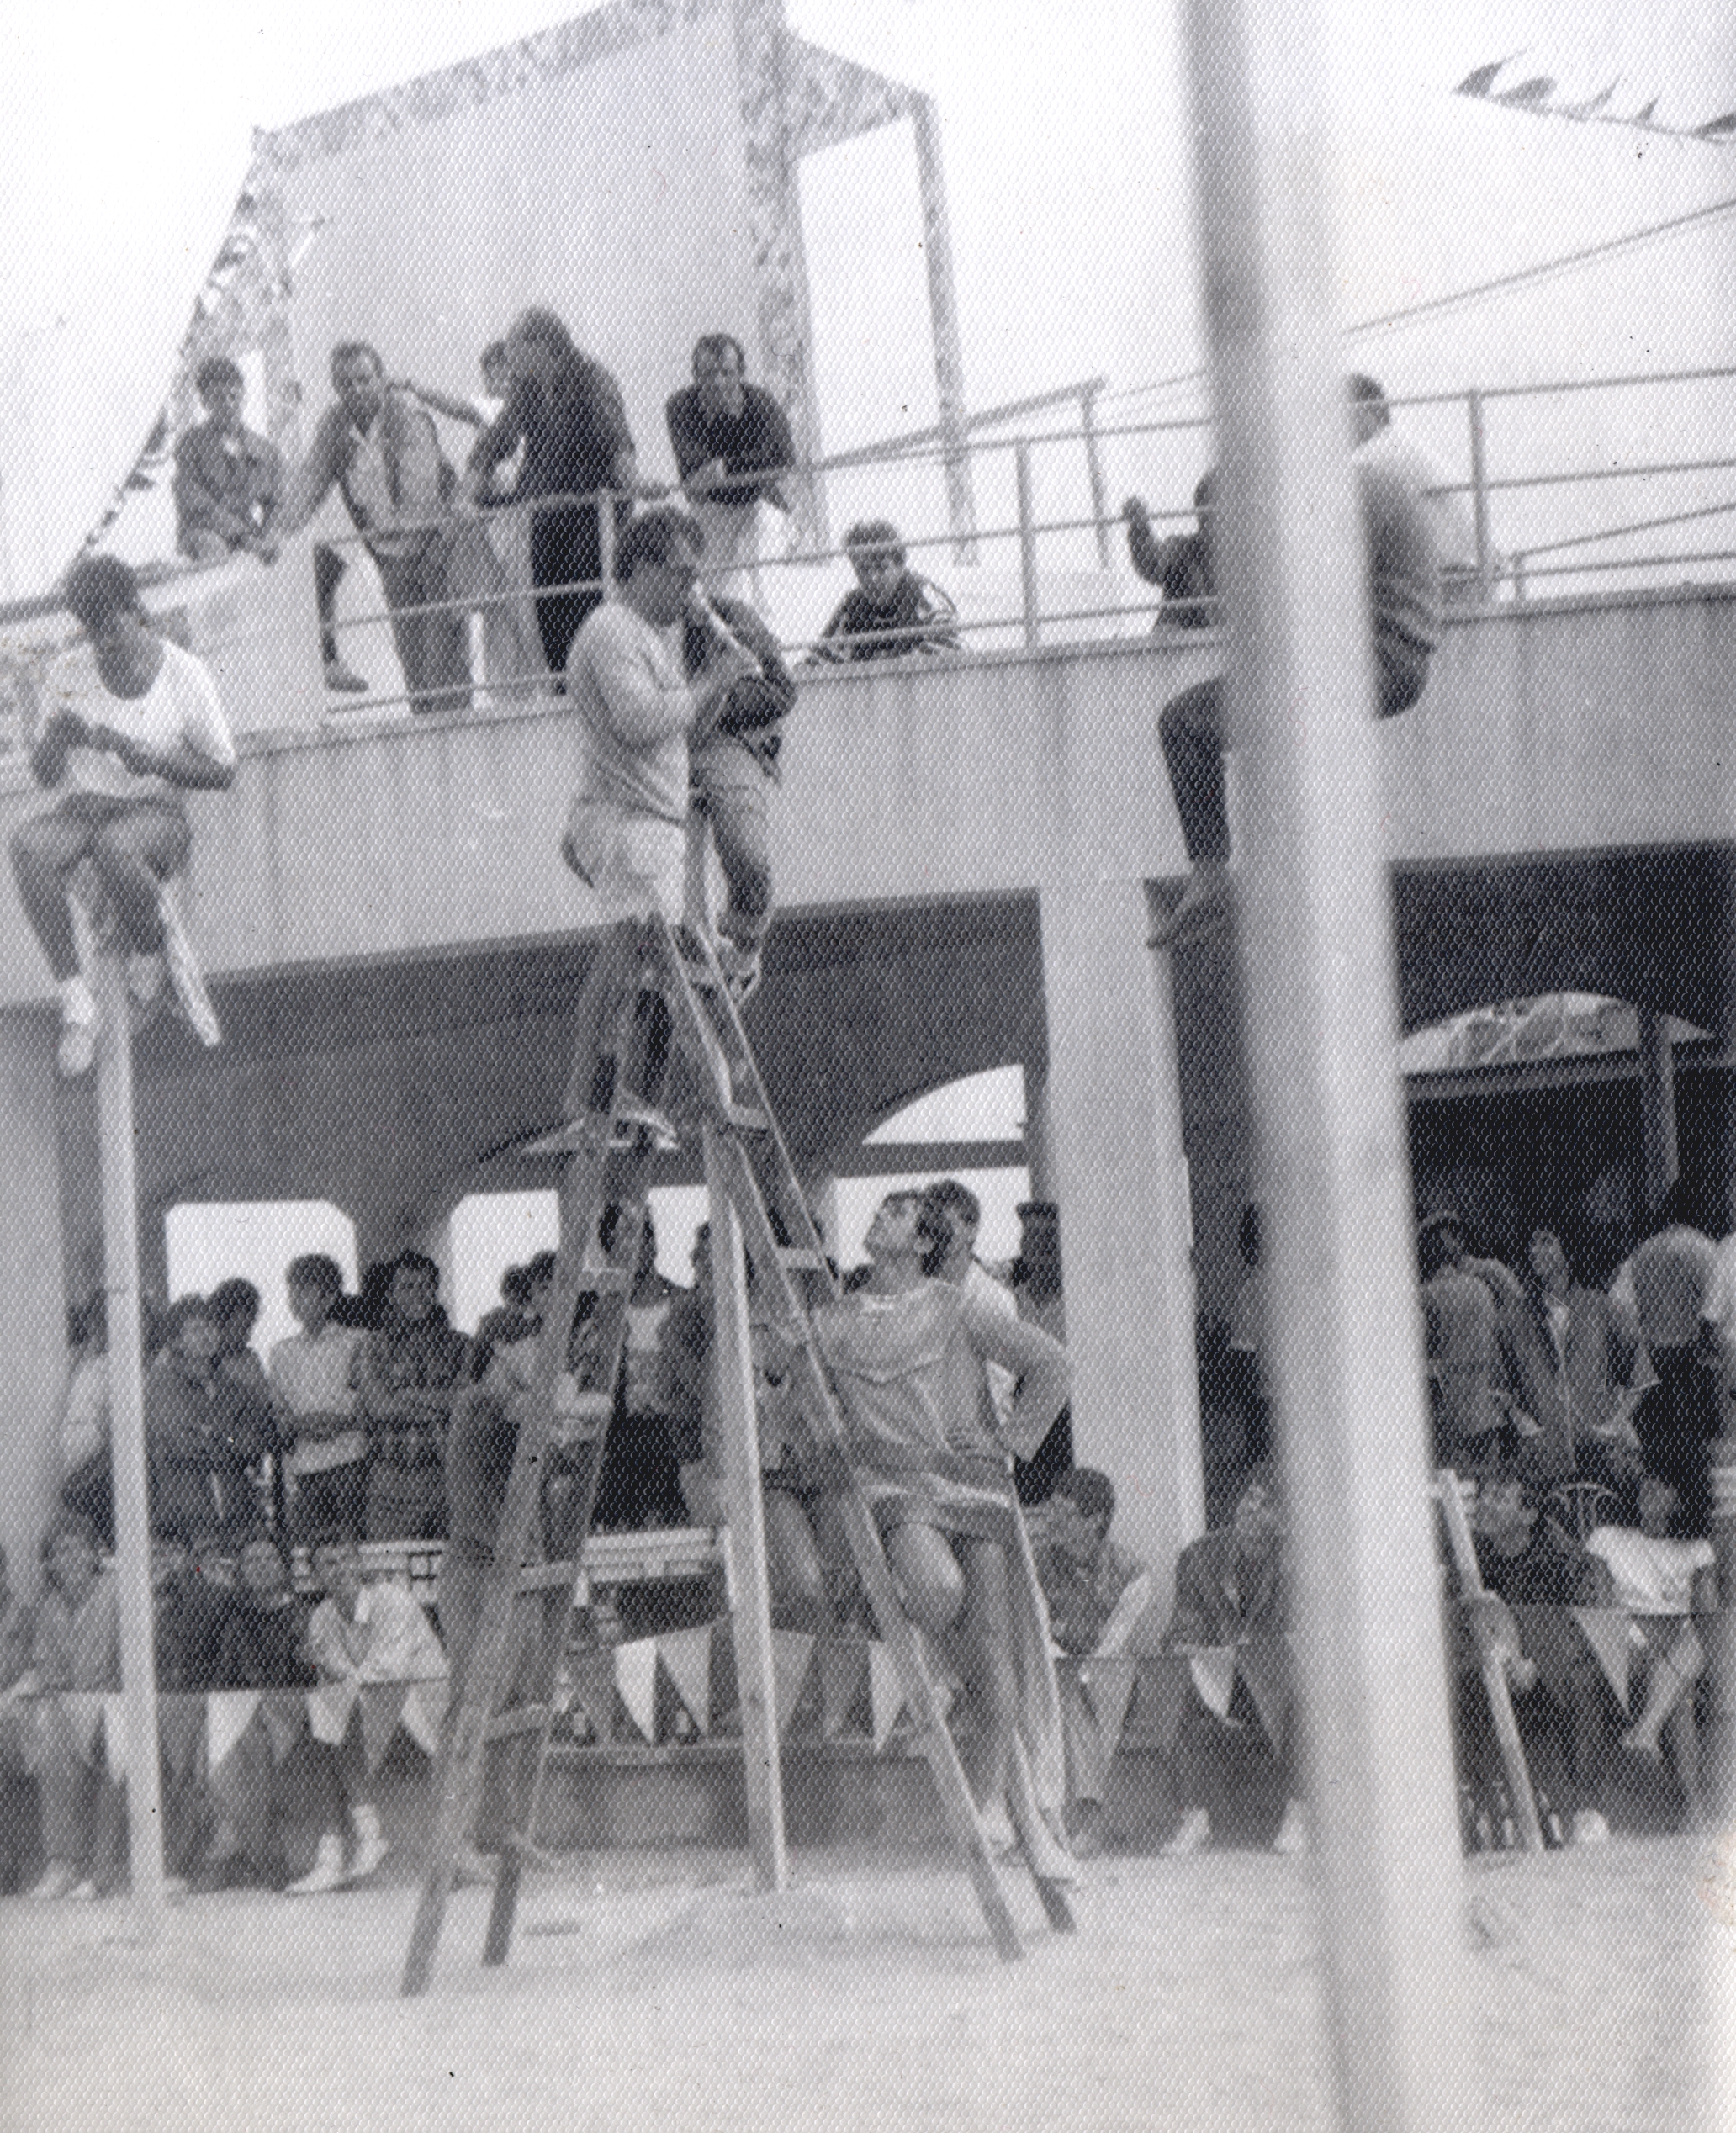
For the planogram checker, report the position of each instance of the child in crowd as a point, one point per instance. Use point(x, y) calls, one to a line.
point(313, 1382)
point(893, 611)
point(1662, 1582)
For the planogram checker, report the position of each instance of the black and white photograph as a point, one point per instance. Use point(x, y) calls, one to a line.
point(868, 1066)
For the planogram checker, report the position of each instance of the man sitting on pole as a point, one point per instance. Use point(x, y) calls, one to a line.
point(123, 727)
point(1405, 597)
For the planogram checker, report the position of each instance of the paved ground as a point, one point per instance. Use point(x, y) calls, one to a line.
point(652, 1991)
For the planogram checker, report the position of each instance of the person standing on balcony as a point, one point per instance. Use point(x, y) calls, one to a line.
point(894, 613)
point(491, 560)
point(227, 479)
point(377, 444)
point(566, 413)
point(732, 442)
point(125, 726)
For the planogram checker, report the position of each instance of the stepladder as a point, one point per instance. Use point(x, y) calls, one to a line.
point(661, 1055)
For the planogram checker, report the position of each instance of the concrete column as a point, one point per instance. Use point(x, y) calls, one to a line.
point(1039, 1135)
point(33, 1294)
point(1121, 1181)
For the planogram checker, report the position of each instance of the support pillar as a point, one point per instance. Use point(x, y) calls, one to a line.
point(943, 313)
point(1039, 1136)
point(1315, 932)
point(1657, 1105)
point(32, 1293)
point(1121, 1180)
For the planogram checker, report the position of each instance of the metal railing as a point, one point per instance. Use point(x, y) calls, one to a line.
point(1049, 538)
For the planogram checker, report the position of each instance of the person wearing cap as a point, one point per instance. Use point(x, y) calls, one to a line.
point(1232, 1593)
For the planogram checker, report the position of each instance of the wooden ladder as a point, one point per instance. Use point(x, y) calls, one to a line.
point(659, 1043)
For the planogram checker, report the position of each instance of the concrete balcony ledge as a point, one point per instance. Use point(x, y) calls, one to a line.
point(1561, 727)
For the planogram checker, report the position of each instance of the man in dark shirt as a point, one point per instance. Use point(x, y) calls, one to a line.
point(568, 412)
point(227, 479)
point(731, 441)
point(412, 1367)
point(1404, 588)
point(1181, 564)
point(1231, 1613)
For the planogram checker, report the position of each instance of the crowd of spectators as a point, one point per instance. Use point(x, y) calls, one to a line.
point(516, 537)
point(1575, 1415)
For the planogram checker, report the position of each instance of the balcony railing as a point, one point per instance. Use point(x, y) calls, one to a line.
point(1041, 560)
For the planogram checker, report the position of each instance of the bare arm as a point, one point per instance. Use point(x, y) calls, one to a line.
point(1037, 1362)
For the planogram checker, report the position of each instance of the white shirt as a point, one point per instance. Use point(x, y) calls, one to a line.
point(625, 683)
point(1449, 517)
point(311, 1375)
point(180, 706)
point(390, 1638)
point(1652, 1576)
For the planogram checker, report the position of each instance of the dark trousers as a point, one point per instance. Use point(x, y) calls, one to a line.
point(135, 846)
point(1191, 728)
point(1675, 1420)
point(433, 636)
point(565, 552)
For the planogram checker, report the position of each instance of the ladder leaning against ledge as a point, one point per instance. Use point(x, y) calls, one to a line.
point(657, 1027)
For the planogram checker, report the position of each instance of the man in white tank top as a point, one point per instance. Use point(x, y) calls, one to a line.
point(125, 724)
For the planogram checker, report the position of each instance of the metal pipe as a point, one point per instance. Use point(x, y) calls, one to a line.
point(1479, 496)
point(1027, 541)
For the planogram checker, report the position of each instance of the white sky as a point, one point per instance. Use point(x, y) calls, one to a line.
point(127, 133)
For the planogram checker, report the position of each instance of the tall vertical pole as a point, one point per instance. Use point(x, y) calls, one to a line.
point(1031, 595)
point(756, 1680)
point(1094, 470)
point(942, 314)
point(1479, 496)
point(126, 1397)
point(1321, 1020)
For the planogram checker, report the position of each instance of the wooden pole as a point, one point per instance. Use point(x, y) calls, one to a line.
point(1321, 1020)
point(751, 1623)
point(126, 1397)
point(1657, 1105)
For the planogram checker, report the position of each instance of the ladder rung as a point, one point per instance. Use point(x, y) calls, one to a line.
point(522, 1718)
point(747, 1118)
point(541, 1577)
point(606, 1281)
point(798, 1259)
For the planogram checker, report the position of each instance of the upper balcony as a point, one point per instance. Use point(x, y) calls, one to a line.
point(1583, 726)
